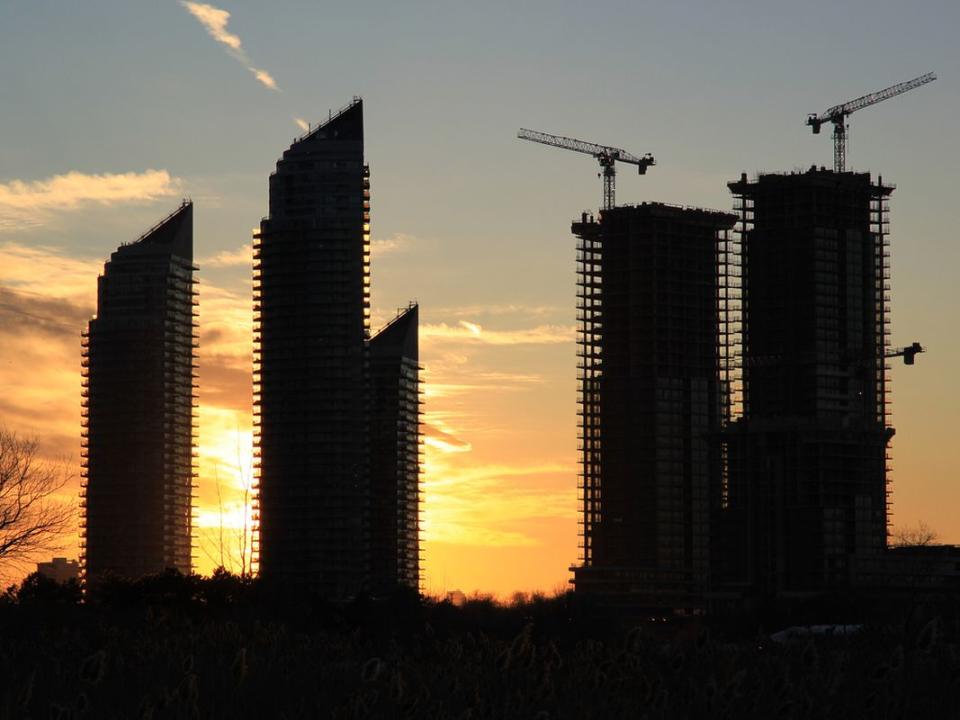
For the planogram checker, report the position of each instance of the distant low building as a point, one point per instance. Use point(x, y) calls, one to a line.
point(909, 570)
point(60, 569)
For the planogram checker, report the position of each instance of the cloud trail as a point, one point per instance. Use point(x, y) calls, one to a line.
point(395, 243)
point(214, 20)
point(466, 331)
point(264, 78)
point(27, 204)
point(243, 255)
point(69, 191)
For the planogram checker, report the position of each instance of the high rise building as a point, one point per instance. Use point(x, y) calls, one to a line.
point(395, 454)
point(651, 400)
point(311, 365)
point(807, 484)
point(138, 397)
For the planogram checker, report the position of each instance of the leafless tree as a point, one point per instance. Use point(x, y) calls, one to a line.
point(222, 552)
point(919, 535)
point(33, 519)
point(246, 565)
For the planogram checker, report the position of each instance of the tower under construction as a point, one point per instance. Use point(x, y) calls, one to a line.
point(139, 437)
point(311, 326)
point(807, 460)
point(652, 400)
point(395, 454)
point(336, 414)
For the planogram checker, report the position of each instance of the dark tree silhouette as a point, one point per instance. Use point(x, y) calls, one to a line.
point(919, 535)
point(32, 518)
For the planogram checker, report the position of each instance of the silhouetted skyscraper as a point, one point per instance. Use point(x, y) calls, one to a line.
point(807, 481)
point(138, 399)
point(395, 454)
point(651, 400)
point(311, 305)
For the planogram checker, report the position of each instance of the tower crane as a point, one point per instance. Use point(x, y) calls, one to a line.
point(606, 156)
point(908, 353)
point(838, 115)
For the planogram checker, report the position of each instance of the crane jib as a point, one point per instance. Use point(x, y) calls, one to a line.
point(838, 115)
point(873, 98)
point(606, 155)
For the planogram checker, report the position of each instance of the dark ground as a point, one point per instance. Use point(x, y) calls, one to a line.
point(174, 646)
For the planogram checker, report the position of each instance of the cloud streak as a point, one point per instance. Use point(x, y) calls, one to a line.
point(485, 505)
point(69, 191)
point(264, 78)
point(242, 256)
point(392, 244)
point(469, 332)
point(215, 20)
point(27, 204)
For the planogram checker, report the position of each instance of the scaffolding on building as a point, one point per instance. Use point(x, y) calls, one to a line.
point(140, 351)
point(808, 442)
point(880, 230)
point(589, 372)
point(730, 332)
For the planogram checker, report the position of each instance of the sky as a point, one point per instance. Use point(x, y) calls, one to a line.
point(112, 111)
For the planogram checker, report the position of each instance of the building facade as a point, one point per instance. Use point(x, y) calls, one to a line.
point(807, 492)
point(311, 327)
point(139, 437)
point(395, 454)
point(651, 400)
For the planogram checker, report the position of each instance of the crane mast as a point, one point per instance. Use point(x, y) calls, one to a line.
point(607, 157)
point(838, 115)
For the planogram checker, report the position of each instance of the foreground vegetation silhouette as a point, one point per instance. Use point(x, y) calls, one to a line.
point(174, 646)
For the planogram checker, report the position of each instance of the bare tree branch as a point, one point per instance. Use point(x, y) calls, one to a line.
point(244, 565)
point(32, 519)
point(919, 535)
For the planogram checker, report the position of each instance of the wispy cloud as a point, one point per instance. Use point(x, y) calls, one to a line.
point(470, 332)
point(264, 78)
point(27, 204)
point(301, 123)
point(482, 382)
point(499, 310)
point(226, 325)
point(45, 301)
point(215, 21)
point(392, 244)
point(442, 439)
point(46, 272)
point(243, 255)
point(29, 313)
point(485, 505)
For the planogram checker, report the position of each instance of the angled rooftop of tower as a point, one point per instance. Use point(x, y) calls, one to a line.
point(344, 124)
point(172, 235)
point(399, 336)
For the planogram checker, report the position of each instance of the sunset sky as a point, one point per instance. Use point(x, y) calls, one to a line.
point(111, 111)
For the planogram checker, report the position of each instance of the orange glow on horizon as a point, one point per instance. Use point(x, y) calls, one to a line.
point(499, 476)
